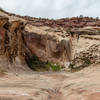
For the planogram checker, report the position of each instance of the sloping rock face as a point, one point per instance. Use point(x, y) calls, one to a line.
point(12, 45)
point(49, 48)
point(87, 57)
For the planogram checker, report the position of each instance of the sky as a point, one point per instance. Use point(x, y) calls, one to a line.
point(52, 8)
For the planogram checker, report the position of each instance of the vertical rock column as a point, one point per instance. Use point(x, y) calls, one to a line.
point(17, 46)
point(12, 46)
point(3, 33)
point(17, 41)
point(21, 45)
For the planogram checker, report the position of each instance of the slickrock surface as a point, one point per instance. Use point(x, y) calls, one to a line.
point(82, 85)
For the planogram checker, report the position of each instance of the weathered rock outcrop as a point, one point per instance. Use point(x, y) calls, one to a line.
point(19, 41)
point(86, 57)
point(18, 45)
point(49, 48)
point(64, 22)
point(12, 45)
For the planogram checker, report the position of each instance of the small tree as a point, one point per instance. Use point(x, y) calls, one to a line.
point(81, 16)
point(97, 18)
point(2, 10)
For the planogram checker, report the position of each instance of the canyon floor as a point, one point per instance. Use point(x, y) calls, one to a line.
point(81, 85)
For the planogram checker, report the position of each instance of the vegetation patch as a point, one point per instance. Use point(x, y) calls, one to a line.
point(54, 67)
point(35, 64)
point(2, 10)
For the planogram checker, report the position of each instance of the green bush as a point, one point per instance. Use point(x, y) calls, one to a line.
point(2, 10)
point(54, 67)
point(37, 65)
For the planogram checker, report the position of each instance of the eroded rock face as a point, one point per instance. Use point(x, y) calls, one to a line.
point(49, 48)
point(17, 45)
point(87, 57)
point(12, 40)
point(65, 22)
point(12, 44)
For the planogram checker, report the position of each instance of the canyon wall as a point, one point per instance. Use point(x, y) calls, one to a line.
point(17, 46)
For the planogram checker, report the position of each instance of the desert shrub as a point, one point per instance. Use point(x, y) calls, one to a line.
point(2, 10)
point(54, 67)
point(37, 65)
point(81, 16)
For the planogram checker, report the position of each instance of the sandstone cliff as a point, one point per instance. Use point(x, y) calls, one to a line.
point(54, 41)
point(19, 43)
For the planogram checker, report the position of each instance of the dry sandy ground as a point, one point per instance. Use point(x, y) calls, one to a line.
point(82, 85)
